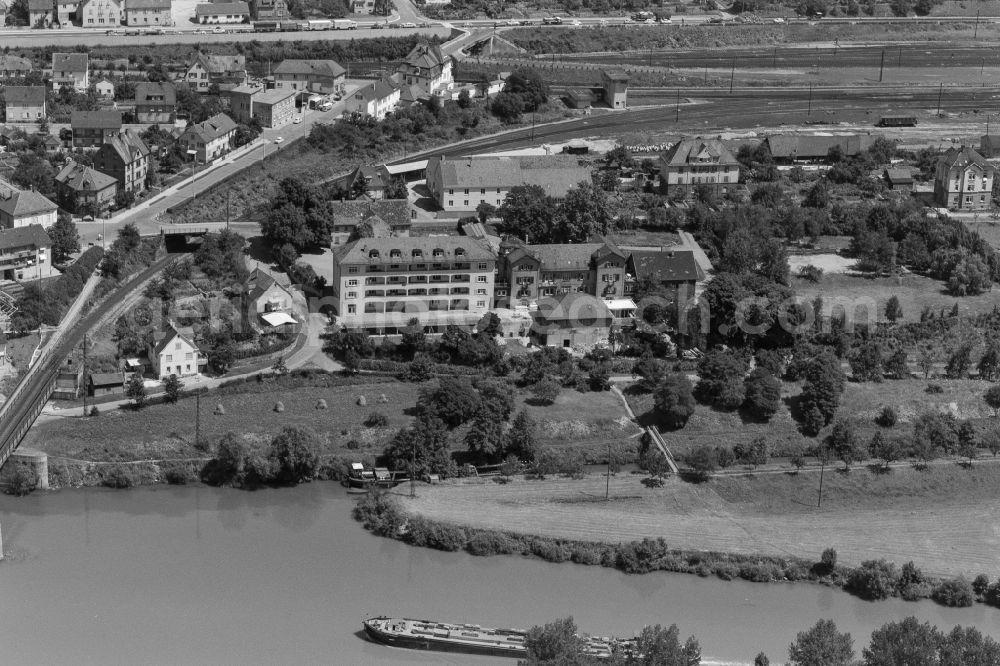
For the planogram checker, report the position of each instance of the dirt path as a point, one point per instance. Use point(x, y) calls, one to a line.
point(942, 537)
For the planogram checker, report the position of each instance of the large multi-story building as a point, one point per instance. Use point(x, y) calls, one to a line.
point(376, 100)
point(464, 183)
point(382, 283)
point(530, 272)
point(209, 140)
point(271, 108)
point(428, 67)
point(23, 248)
point(318, 76)
point(83, 190)
point(155, 102)
point(71, 70)
point(148, 12)
point(25, 104)
point(126, 158)
point(693, 162)
point(100, 13)
point(92, 128)
point(963, 180)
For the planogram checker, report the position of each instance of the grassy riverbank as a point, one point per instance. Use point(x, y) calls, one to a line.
point(942, 518)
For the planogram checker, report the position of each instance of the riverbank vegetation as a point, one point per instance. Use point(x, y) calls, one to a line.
point(907, 641)
point(384, 515)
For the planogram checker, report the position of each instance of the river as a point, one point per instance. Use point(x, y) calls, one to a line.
point(200, 575)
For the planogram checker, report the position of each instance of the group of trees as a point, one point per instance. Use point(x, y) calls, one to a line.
point(127, 252)
point(529, 213)
point(906, 642)
point(290, 458)
point(524, 91)
point(38, 304)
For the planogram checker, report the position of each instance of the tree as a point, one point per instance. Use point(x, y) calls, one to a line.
point(221, 356)
point(529, 86)
point(828, 560)
point(886, 449)
point(172, 386)
point(992, 398)
point(34, 173)
point(989, 363)
point(427, 441)
point(959, 362)
point(893, 310)
point(969, 277)
point(702, 461)
point(673, 400)
point(486, 436)
point(65, 238)
point(818, 196)
point(873, 580)
point(905, 642)
point(966, 646)
point(651, 372)
point(295, 454)
point(124, 199)
point(555, 643)
point(866, 362)
point(135, 389)
point(528, 213)
point(843, 443)
point(721, 380)
point(822, 645)
point(454, 401)
point(661, 646)
point(507, 106)
point(761, 660)
point(521, 438)
point(758, 453)
point(896, 365)
point(583, 213)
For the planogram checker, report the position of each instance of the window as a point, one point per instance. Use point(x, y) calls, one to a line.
point(482, 191)
point(352, 294)
point(451, 191)
point(177, 345)
point(480, 292)
point(451, 202)
point(481, 278)
point(498, 190)
point(352, 283)
point(480, 304)
point(501, 292)
point(352, 308)
point(170, 358)
point(466, 191)
point(466, 202)
point(187, 368)
point(188, 356)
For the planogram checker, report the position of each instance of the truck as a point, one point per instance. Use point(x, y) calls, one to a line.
point(344, 24)
point(320, 24)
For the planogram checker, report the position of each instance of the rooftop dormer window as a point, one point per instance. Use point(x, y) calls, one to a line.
point(459, 252)
point(395, 254)
point(438, 252)
point(416, 254)
point(373, 254)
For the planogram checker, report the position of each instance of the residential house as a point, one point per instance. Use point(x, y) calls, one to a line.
point(791, 148)
point(25, 104)
point(127, 159)
point(362, 6)
point(262, 296)
point(101, 13)
point(572, 319)
point(463, 183)
point(376, 100)
point(155, 103)
point(41, 13)
point(380, 284)
point(898, 178)
point(673, 272)
point(173, 352)
point(271, 108)
point(93, 128)
point(963, 180)
point(22, 208)
point(428, 67)
point(527, 273)
point(12, 66)
point(106, 383)
point(377, 219)
point(222, 12)
point(209, 140)
point(66, 11)
point(318, 76)
point(22, 248)
point(371, 180)
point(105, 89)
point(269, 10)
point(693, 162)
point(615, 85)
point(224, 71)
point(148, 12)
point(71, 70)
point(83, 190)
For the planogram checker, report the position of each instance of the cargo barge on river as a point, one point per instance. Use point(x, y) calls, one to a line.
point(470, 638)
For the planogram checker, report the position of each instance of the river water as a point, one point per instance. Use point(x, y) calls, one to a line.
point(198, 575)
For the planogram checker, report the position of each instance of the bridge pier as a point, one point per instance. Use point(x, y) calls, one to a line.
point(37, 462)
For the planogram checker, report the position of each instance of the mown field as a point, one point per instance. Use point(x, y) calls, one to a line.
point(944, 519)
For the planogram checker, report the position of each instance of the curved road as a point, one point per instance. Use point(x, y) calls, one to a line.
point(23, 405)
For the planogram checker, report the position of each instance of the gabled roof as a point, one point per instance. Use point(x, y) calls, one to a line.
point(127, 144)
point(106, 378)
point(694, 151)
point(377, 177)
point(13, 63)
point(667, 265)
point(168, 336)
point(376, 91)
point(218, 8)
point(215, 127)
point(261, 284)
point(564, 256)
point(380, 250)
point(897, 175)
point(575, 306)
point(395, 212)
point(425, 56)
point(32, 235)
point(70, 62)
point(25, 95)
point(145, 91)
point(80, 177)
point(40, 5)
point(221, 64)
point(310, 67)
point(147, 4)
point(23, 203)
point(505, 172)
point(96, 119)
point(963, 157)
point(784, 146)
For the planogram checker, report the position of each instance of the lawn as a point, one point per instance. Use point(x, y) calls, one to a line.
point(913, 291)
point(588, 420)
point(645, 237)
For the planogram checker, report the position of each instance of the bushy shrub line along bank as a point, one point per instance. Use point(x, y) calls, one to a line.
point(874, 579)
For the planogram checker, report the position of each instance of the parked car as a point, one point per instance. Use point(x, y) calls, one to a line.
point(409, 25)
point(278, 139)
point(218, 30)
point(377, 26)
point(297, 120)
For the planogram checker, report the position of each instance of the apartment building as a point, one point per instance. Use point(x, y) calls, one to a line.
point(376, 100)
point(209, 140)
point(381, 284)
point(21, 249)
point(271, 108)
point(25, 104)
point(83, 190)
point(428, 67)
point(92, 128)
point(155, 102)
point(225, 72)
point(126, 158)
point(963, 180)
point(148, 12)
point(318, 76)
point(101, 13)
point(692, 162)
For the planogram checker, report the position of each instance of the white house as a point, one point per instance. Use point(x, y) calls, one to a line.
point(375, 100)
point(175, 353)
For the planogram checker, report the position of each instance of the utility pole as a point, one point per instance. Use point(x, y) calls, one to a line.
point(677, 108)
point(809, 112)
point(85, 372)
point(881, 67)
point(197, 419)
point(413, 466)
point(822, 469)
point(975, 33)
point(899, 58)
point(732, 76)
point(228, 192)
point(607, 485)
point(940, 93)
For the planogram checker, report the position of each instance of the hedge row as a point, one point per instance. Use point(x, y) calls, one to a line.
point(401, 367)
point(382, 514)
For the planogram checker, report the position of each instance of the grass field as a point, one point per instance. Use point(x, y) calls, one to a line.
point(913, 291)
point(944, 519)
